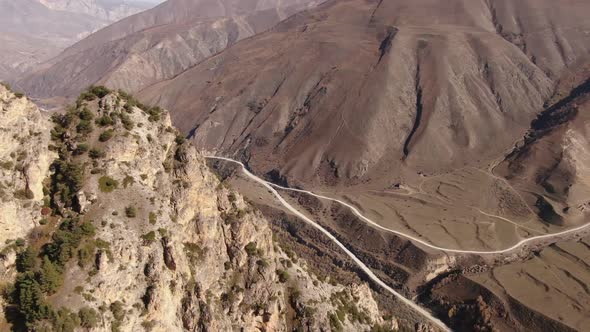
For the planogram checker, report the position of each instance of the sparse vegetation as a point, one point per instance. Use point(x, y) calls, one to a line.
point(107, 184)
point(88, 318)
point(131, 212)
point(251, 249)
point(106, 135)
point(128, 180)
point(149, 238)
point(283, 276)
point(153, 218)
point(96, 153)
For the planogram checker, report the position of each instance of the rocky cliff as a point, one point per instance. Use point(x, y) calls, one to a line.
point(139, 234)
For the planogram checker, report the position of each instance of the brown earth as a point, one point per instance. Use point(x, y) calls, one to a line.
point(367, 91)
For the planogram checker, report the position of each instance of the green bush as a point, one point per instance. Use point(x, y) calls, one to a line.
point(84, 127)
point(96, 153)
point(105, 121)
point(85, 114)
point(130, 212)
point(127, 122)
point(180, 139)
point(65, 321)
point(99, 91)
point(81, 149)
point(283, 275)
point(149, 238)
point(118, 310)
point(88, 317)
point(107, 184)
point(106, 135)
point(251, 249)
point(153, 218)
point(154, 114)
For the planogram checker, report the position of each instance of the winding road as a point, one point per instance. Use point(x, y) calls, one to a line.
point(358, 262)
point(271, 186)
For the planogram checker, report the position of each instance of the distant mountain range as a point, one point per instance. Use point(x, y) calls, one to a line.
point(32, 31)
point(157, 44)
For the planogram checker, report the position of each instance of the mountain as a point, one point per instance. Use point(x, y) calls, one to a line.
point(379, 91)
point(32, 31)
point(129, 204)
point(156, 45)
point(108, 10)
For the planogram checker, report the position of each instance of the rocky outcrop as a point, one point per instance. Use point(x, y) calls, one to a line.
point(162, 245)
point(24, 165)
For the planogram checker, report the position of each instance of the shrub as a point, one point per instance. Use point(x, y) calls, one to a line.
point(81, 149)
point(127, 123)
point(154, 113)
point(19, 95)
point(251, 249)
point(107, 184)
point(85, 114)
point(117, 310)
point(96, 153)
point(149, 238)
point(99, 91)
point(104, 121)
point(64, 320)
point(283, 275)
point(180, 139)
point(106, 135)
point(88, 317)
point(130, 212)
point(84, 127)
point(153, 218)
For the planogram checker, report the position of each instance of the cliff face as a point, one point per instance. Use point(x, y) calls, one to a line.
point(143, 236)
point(24, 164)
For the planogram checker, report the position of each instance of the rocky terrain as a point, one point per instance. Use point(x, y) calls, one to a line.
point(156, 45)
point(33, 31)
point(130, 231)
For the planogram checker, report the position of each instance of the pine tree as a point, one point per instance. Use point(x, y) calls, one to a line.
point(25, 260)
point(50, 276)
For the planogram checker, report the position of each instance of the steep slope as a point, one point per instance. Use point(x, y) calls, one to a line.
point(550, 167)
point(24, 165)
point(140, 235)
point(33, 31)
point(378, 91)
point(156, 45)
